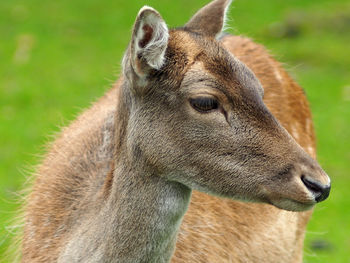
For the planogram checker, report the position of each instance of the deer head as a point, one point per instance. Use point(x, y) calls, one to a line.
point(195, 115)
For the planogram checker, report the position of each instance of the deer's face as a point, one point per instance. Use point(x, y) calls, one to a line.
point(198, 117)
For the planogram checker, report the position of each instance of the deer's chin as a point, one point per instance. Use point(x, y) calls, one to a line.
point(293, 205)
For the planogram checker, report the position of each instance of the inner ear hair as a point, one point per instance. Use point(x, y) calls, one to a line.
point(149, 40)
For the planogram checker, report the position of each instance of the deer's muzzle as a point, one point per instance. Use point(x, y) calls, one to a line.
point(320, 191)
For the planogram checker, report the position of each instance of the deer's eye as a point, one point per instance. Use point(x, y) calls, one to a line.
point(204, 104)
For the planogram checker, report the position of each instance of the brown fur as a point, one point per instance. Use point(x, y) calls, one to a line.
point(221, 230)
point(116, 183)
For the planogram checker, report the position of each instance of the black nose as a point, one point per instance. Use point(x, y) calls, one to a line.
point(321, 192)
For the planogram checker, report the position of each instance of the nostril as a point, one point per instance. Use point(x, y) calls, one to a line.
point(312, 186)
point(321, 192)
point(325, 193)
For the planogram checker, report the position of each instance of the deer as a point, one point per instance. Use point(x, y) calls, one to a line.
point(202, 151)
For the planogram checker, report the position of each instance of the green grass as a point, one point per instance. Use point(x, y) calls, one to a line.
point(56, 57)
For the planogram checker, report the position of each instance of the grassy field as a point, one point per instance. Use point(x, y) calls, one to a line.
point(56, 57)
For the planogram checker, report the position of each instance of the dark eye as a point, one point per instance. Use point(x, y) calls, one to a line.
point(204, 104)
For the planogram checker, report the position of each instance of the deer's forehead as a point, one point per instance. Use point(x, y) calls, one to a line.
point(198, 76)
point(196, 47)
point(183, 42)
point(203, 60)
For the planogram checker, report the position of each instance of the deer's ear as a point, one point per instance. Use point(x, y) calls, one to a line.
point(148, 43)
point(210, 19)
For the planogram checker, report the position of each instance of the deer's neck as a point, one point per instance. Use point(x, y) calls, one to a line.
point(149, 210)
point(137, 220)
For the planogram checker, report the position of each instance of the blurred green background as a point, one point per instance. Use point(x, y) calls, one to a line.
point(57, 57)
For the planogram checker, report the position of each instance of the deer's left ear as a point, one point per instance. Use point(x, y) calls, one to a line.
point(210, 19)
point(148, 42)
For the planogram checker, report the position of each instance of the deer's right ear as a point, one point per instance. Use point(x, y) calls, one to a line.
point(210, 19)
point(148, 43)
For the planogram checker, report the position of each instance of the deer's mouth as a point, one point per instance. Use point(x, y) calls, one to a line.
point(293, 205)
point(298, 200)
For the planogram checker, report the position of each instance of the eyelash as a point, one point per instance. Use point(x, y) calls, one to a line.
point(204, 104)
